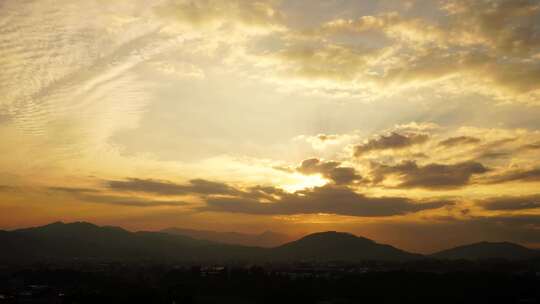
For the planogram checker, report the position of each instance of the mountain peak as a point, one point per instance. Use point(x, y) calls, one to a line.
point(331, 233)
point(334, 236)
point(334, 245)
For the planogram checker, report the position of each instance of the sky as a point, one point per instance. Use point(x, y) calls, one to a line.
point(414, 123)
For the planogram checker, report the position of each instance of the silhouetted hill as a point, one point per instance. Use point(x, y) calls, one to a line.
point(266, 239)
point(339, 246)
point(488, 250)
point(59, 241)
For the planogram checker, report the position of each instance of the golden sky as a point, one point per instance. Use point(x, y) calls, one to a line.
point(415, 123)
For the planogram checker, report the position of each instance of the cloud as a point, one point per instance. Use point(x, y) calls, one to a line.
point(511, 203)
point(459, 140)
point(178, 69)
point(219, 13)
point(391, 24)
point(497, 42)
point(333, 198)
point(533, 146)
point(392, 141)
point(474, 47)
point(507, 26)
point(495, 149)
point(161, 187)
point(267, 193)
point(429, 156)
point(430, 176)
point(323, 141)
point(331, 170)
point(5, 188)
point(328, 61)
point(530, 175)
point(417, 127)
point(129, 201)
point(94, 195)
point(70, 77)
point(326, 145)
point(73, 190)
point(327, 199)
point(326, 137)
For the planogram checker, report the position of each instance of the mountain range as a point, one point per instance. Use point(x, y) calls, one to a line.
point(266, 239)
point(81, 240)
point(487, 250)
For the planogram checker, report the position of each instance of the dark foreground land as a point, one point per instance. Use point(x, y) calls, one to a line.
point(493, 281)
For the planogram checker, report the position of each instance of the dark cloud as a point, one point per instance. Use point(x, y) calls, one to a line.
point(5, 188)
point(391, 141)
point(430, 176)
point(512, 203)
point(326, 137)
point(531, 175)
point(331, 170)
point(494, 149)
point(344, 175)
point(161, 187)
point(267, 193)
point(533, 146)
point(459, 140)
point(420, 155)
point(494, 155)
point(327, 199)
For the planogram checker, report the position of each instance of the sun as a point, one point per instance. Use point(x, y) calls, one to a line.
point(301, 182)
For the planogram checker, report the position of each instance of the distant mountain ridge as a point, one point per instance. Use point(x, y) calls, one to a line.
point(81, 240)
point(333, 245)
point(266, 239)
point(488, 250)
